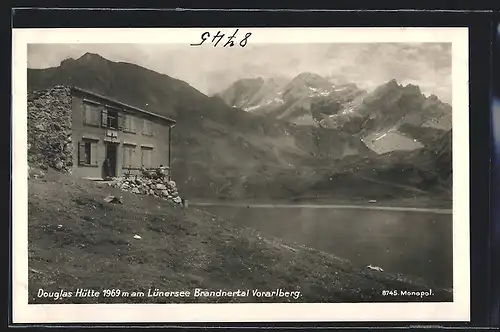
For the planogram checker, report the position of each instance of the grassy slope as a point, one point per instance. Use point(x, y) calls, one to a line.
point(179, 250)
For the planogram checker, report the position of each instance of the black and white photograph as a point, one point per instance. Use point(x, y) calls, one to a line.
point(298, 173)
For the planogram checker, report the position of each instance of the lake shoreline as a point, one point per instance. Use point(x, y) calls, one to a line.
point(411, 241)
point(399, 203)
point(324, 206)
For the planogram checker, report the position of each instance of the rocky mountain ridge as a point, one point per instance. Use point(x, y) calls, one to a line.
point(376, 117)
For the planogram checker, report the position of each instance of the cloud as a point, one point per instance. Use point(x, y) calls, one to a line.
point(211, 69)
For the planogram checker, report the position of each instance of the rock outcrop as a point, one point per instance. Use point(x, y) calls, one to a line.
point(49, 129)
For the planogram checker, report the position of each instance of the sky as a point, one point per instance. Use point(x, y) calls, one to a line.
point(211, 70)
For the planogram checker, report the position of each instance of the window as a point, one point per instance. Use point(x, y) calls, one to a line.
point(112, 119)
point(88, 153)
point(147, 128)
point(91, 114)
point(146, 154)
point(128, 155)
point(128, 123)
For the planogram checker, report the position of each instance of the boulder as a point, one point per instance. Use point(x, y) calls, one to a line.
point(114, 199)
point(59, 165)
point(161, 186)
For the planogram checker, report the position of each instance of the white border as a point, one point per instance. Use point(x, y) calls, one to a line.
point(80, 313)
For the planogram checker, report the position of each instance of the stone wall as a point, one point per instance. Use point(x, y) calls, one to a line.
point(149, 184)
point(49, 129)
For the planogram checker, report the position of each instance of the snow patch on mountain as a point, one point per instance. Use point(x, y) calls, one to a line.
point(265, 103)
point(390, 141)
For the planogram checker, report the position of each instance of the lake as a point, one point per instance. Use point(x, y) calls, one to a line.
point(414, 243)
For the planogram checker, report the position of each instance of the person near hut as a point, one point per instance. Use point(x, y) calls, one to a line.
point(107, 168)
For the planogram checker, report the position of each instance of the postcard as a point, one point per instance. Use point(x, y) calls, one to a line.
point(240, 175)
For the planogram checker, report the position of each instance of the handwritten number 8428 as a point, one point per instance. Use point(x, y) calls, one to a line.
point(219, 36)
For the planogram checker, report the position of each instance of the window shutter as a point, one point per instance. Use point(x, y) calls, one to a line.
point(88, 114)
point(130, 155)
point(127, 160)
point(81, 153)
point(104, 118)
point(95, 116)
point(126, 122)
point(94, 154)
point(148, 157)
point(120, 121)
point(132, 123)
point(124, 156)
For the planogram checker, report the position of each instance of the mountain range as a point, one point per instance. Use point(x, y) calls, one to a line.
point(277, 138)
point(386, 119)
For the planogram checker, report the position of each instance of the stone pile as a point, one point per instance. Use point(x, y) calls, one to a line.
point(49, 129)
point(142, 185)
